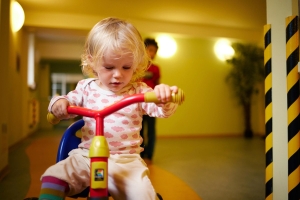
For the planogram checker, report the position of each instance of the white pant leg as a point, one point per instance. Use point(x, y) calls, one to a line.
point(128, 178)
point(75, 170)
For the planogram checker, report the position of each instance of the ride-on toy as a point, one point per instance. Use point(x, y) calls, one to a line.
point(99, 151)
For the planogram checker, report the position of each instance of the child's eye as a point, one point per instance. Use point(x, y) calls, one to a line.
point(108, 67)
point(127, 67)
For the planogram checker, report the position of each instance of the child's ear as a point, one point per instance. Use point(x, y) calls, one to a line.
point(95, 73)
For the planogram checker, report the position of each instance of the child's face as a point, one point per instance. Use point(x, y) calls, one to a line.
point(115, 71)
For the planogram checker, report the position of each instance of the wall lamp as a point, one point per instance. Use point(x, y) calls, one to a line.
point(223, 49)
point(166, 46)
point(17, 16)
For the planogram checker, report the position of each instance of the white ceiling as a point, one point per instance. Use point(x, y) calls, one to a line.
point(234, 14)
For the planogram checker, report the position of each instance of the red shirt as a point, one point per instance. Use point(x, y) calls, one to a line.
point(152, 76)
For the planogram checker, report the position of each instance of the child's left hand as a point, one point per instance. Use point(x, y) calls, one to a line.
point(164, 92)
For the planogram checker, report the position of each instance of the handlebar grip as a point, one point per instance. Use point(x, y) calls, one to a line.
point(176, 98)
point(52, 119)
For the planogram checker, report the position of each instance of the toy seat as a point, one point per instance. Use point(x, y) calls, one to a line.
point(68, 142)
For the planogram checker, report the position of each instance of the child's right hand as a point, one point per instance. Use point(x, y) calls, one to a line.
point(164, 92)
point(59, 109)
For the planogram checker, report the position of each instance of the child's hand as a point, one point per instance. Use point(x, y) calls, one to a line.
point(59, 109)
point(164, 92)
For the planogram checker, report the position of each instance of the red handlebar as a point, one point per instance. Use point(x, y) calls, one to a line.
point(146, 97)
point(108, 110)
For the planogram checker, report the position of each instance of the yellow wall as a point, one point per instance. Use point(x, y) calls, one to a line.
point(4, 38)
point(15, 95)
point(20, 96)
point(210, 108)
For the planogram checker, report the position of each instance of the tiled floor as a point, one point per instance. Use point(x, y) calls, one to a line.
point(229, 168)
point(183, 169)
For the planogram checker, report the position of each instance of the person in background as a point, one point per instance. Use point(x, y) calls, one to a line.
point(151, 78)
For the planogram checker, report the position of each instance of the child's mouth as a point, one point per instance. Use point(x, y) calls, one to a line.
point(116, 83)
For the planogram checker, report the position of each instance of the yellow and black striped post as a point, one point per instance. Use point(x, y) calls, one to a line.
point(268, 114)
point(292, 59)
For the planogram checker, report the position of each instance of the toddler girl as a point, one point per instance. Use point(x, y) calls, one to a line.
point(115, 54)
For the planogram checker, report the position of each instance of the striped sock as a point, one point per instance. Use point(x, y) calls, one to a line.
point(53, 188)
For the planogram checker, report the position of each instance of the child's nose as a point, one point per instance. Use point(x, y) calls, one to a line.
point(117, 73)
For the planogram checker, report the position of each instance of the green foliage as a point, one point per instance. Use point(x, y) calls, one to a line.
point(247, 71)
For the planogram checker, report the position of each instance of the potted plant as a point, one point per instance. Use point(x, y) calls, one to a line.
point(246, 73)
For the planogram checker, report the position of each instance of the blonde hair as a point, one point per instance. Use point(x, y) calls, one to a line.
point(119, 36)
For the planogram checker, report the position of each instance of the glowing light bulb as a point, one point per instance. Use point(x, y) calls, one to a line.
point(17, 16)
point(166, 46)
point(223, 49)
